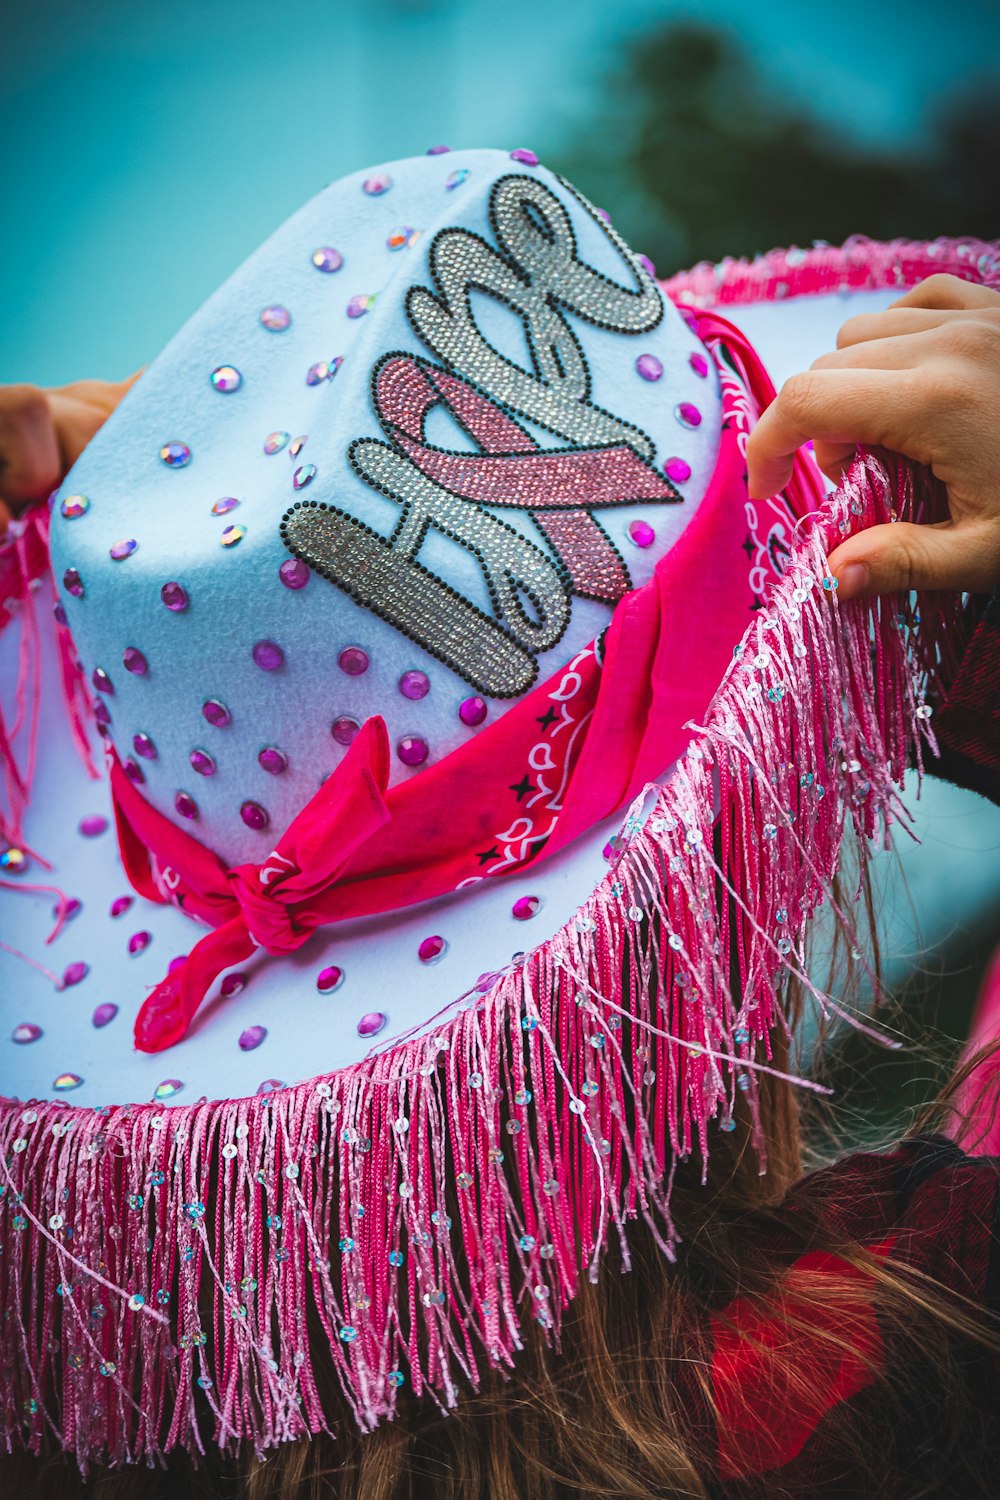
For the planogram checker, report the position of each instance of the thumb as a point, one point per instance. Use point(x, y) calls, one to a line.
point(901, 556)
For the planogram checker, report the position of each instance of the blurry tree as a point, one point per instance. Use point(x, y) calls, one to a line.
point(701, 155)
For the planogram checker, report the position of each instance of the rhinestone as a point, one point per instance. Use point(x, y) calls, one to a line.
point(699, 365)
point(400, 238)
point(120, 906)
point(472, 711)
point(66, 1081)
point(225, 505)
point(524, 156)
point(231, 535)
point(226, 378)
point(134, 661)
point(104, 1014)
point(303, 476)
point(174, 596)
point(216, 712)
point(74, 973)
point(202, 762)
point(254, 816)
point(25, 1033)
point(316, 374)
point(268, 655)
point(649, 367)
point(13, 860)
point(431, 949)
point(414, 685)
point(525, 907)
point(275, 441)
point(101, 680)
point(455, 179)
point(353, 660)
point(344, 729)
point(687, 414)
point(647, 265)
point(143, 745)
point(294, 573)
point(166, 1090)
point(273, 760)
point(296, 446)
point(185, 805)
point(326, 258)
point(93, 825)
point(134, 772)
point(677, 470)
point(437, 150)
point(413, 750)
point(252, 1038)
point(377, 184)
point(329, 979)
point(360, 304)
point(641, 533)
point(275, 318)
point(232, 985)
point(371, 1023)
point(74, 506)
point(175, 455)
point(73, 583)
point(139, 942)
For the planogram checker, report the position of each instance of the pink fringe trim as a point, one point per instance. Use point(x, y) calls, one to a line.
point(159, 1262)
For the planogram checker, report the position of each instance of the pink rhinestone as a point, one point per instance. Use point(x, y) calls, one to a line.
point(185, 805)
point(102, 715)
point(93, 825)
point(414, 685)
point(641, 533)
point(73, 583)
point(329, 979)
point(174, 596)
point(104, 1014)
point(524, 156)
point(699, 365)
point(134, 661)
point(74, 973)
point(270, 1086)
point(412, 750)
point(353, 660)
point(293, 573)
point(232, 984)
point(649, 367)
point(344, 729)
point(202, 762)
point(176, 963)
point(251, 1039)
point(377, 184)
point(26, 1032)
point(216, 713)
point(123, 549)
point(254, 816)
point(268, 655)
point(371, 1023)
point(143, 745)
point(687, 414)
point(525, 907)
point(275, 318)
point(101, 680)
point(133, 771)
point(273, 760)
point(431, 949)
point(326, 258)
point(120, 906)
point(677, 470)
point(139, 942)
point(437, 150)
point(472, 711)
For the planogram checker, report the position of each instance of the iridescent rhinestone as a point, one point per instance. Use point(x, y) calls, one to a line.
point(360, 304)
point(275, 318)
point(335, 363)
point(232, 985)
point(699, 365)
point(74, 506)
point(101, 680)
point(353, 660)
point(143, 745)
point(472, 711)
point(400, 238)
point(344, 729)
point(166, 1090)
point(25, 1033)
point(268, 655)
point(202, 762)
point(133, 661)
point(377, 184)
point(330, 978)
point(139, 942)
point(431, 949)
point(677, 470)
point(273, 760)
point(641, 533)
point(327, 259)
point(316, 374)
point(414, 685)
point(66, 1081)
point(294, 573)
point(456, 178)
point(13, 860)
point(649, 367)
point(525, 907)
point(304, 476)
point(231, 535)
point(226, 378)
point(185, 805)
point(73, 583)
point(174, 596)
point(296, 446)
point(215, 712)
point(104, 1014)
point(93, 825)
point(687, 414)
point(175, 455)
point(271, 1086)
point(412, 750)
point(251, 1039)
point(524, 156)
point(437, 150)
point(371, 1023)
point(118, 551)
point(275, 441)
point(225, 505)
point(254, 816)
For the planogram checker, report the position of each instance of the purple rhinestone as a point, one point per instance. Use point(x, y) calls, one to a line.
point(74, 973)
point(360, 304)
point(185, 805)
point(326, 258)
point(174, 596)
point(414, 685)
point(214, 712)
point(413, 750)
point(175, 455)
point(353, 660)
point(273, 760)
point(377, 184)
point(72, 907)
point(344, 729)
point(329, 979)
point(133, 771)
point(315, 375)
point(304, 476)
point(699, 365)
point(176, 963)
point(120, 550)
point(93, 825)
point(431, 949)
point(293, 573)
point(120, 906)
point(677, 470)
point(26, 1032)
point(524, 156)
point(103, 1014)
point(649, 367)
point(101, 680)
point(525, 907)
point(139, 942)
point(225, 505)
point(437, 150)
point(687, 414)
point(647, 265)
point(73, 583)
point(251, 1039)
point(143, 745)
point(102, 716)
point(134, 661)
point(232, 984)
point(268, 655)
point(254, 816)
point(472, 711)
point(60, 614)
point(275, 318)
point(202, 762)
point(371, 1023)
point(641, 533)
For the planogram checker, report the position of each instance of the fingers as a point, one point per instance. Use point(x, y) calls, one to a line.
point(947, 292)
point(900, 557)
point(75, 422)
point(29, 446)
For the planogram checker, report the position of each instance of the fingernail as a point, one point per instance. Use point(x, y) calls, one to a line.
point(853, 580)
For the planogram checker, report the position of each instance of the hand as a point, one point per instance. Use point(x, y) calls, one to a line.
point(43, 432)
point(921, 379)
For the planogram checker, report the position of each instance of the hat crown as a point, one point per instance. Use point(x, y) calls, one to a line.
point(405, 461)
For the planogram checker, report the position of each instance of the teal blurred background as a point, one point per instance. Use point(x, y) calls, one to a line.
point(147, 149)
